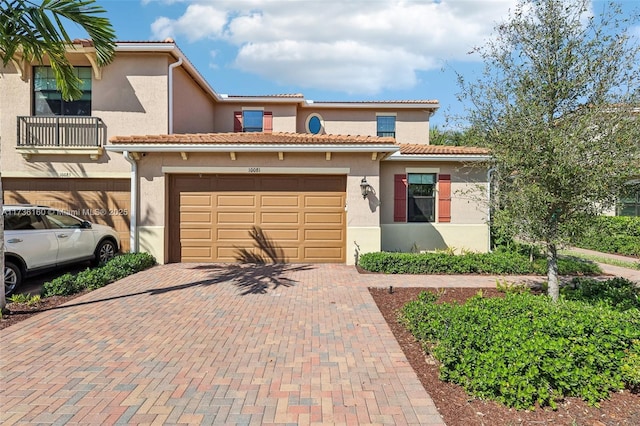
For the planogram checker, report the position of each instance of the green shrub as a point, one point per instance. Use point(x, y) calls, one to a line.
point(619, 293)
point(498, 262)
point(524, 349)
point(93, 278)
point(631, 367)
point(613, 234)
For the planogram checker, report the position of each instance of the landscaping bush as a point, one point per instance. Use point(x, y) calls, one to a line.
point(619, 293)
point(613, 234)
point(499, 262)
point(93, 278)
point(524, 349)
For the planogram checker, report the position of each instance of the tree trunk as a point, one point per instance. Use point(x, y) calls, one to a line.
point(552, 272)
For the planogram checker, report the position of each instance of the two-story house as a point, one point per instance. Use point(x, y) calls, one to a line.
point(184, 173)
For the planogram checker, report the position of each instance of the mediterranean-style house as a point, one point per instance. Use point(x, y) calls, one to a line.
point(183, 172)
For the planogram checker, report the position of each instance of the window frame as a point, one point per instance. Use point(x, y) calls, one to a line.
point(385, 132)
point(412, 217)
point(49, 94)
point(253, 129)
point(630, 202)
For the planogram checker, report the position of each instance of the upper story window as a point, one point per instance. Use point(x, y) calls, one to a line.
point(386, 126)
point(253, 120)
point(314, 124)
point(47, 99)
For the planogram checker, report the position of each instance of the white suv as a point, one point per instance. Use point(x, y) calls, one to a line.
point(39, 238)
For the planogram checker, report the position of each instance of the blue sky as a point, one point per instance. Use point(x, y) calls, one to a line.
point(329, 50)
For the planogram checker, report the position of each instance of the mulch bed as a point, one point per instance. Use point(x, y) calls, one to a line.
point(459, 409)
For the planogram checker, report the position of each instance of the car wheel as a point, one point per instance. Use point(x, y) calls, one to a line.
point(105, 251)
point(12, 278)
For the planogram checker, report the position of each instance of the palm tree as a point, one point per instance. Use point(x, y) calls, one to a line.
point(31, 31)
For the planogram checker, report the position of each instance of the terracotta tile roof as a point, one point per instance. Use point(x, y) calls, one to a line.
point(417, 149)
point(405, 101)
point(250, 139)
point(279, 95)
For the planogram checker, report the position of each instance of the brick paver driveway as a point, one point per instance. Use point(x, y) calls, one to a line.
point(217, 344)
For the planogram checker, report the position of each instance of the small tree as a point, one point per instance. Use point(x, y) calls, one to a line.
point(30, 32)
point(557, 104)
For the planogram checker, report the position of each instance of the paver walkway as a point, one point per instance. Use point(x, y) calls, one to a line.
point(215, 344)
point(219, 344)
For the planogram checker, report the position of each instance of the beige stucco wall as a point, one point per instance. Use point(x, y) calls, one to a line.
point(411, 126)
point(284, 115)
point(193, 108)
point(130, 98)
point(467, 229)
point(408, 237)
point(362, 215)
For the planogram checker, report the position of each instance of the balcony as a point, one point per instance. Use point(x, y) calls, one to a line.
point(60, 135)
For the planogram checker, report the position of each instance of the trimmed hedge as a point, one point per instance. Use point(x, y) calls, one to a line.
point(524, 349)
point(619, 293)
point(613, 234)
point(499, 262)
point(92, 278)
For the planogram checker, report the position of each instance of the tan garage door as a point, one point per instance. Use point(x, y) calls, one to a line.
point(104, 201)
point(302, 215)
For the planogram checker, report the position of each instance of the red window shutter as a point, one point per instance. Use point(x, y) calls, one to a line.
point(268, 122)
point(400, 198)
point(237, 121)
point(444, 198)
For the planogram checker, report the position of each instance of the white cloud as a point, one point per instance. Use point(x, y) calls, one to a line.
point(356, 46)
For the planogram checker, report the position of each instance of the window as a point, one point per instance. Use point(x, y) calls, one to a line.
point(386, 126)
point(62, 221)
point(253, 120)
point(315, 124)
point(415, 197)
point(22, 221)
point(47, 99)
point(421, 201)
point(630, 205)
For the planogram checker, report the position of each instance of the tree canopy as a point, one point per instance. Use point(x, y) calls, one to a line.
point(558, 104)
point(33, 31)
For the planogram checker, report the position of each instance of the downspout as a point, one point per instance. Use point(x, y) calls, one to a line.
point(489, 175)
point(133, 224)
point(171, 67)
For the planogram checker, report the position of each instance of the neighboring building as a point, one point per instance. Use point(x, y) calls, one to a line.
point(184, 172)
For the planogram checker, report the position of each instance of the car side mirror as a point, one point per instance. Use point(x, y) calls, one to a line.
point(85, 225)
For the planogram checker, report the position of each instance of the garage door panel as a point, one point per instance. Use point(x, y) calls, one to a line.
point(320, 253)
point(303, 216)
point(323, 235)
point(189, 200)
point(226, 234)
point(202, 253)
point(226, 218)
point(279, 201)
point(191, 217)
point(323, 218)
point(195, 234)
point(323, 201)
point(279, 236)
point(236, 201)
point(271, 218)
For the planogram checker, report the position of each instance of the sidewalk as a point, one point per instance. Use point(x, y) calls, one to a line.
point(630, 274)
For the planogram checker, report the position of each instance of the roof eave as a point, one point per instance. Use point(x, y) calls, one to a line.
point(249, 148)
point(397, 156)
point(370, 105)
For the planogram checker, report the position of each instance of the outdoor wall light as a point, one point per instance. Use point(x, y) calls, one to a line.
point(365, 188)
